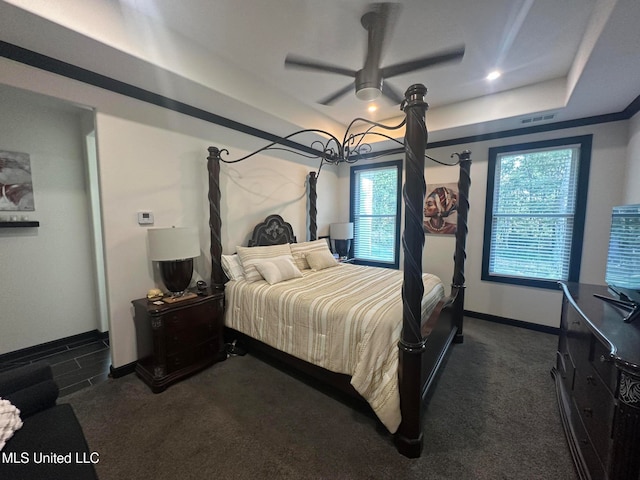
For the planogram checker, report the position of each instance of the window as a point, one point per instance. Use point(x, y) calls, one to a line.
point(375, 213)
point(535, 208)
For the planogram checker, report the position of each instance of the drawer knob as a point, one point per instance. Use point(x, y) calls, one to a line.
point(604, 359)
point(587, 412)
point(591, 380)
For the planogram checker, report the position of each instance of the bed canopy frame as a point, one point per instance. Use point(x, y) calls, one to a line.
point(419, 357)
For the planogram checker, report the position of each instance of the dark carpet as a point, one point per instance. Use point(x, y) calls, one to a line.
point(493, 415)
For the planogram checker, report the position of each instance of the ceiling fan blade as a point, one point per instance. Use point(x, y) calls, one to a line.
point(391, 93)
point(331, 99)
point(446, 56)
point(293, 61)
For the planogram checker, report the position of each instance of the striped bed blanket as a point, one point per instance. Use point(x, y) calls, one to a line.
point(346, 319)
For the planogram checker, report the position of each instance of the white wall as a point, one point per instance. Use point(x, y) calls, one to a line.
point(632, 175)
point(536, 305)
point(539, 306)
point(48, 281)
point(153, 159)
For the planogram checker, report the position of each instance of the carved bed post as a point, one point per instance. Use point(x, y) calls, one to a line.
point(411, 346)
point(215, 221)
point(464, 182)
point(313, 212)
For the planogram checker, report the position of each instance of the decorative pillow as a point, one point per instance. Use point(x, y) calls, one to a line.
point(300, 250)
point(249, 256)
point(321, 260)
point(278, 270)
point(9, 421)
point(232, 267)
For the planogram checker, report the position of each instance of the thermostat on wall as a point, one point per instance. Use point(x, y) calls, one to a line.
point(145, 218)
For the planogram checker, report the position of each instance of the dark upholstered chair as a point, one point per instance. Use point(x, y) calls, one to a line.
point(48, 429)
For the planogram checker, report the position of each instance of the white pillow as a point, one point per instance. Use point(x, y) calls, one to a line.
point(321, 260)
point(249, 256)
point(9, 421)
point(232, 267)
point(300, 250)
point(278, 270)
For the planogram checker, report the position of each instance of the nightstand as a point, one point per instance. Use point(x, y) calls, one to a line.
point(178, 339)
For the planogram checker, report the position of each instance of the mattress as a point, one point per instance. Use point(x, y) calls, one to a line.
point(346, 319)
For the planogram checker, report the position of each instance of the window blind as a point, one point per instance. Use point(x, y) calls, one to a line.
point(534, 204)
point(623, 261)
point(375, 214)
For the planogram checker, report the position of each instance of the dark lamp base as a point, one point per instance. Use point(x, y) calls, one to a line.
point(176, 275)
point(343, 247)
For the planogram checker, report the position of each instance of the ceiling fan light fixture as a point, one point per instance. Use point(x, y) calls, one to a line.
point(368, 93)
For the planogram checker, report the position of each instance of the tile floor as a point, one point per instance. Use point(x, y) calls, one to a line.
point(75, 365)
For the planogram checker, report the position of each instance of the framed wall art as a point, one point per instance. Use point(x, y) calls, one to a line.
point(16, 188)
point(441, 209)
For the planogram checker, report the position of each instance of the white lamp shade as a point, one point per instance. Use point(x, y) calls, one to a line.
point(173, 243)
point(341, 231)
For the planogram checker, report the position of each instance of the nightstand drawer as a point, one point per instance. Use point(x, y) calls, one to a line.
point(184, 358)
point(203, 330)
point(187, 319)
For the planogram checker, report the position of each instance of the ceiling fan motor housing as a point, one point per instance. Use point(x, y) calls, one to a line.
point(368, 85)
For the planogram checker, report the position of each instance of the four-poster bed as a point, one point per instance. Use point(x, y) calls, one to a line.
point(423, 342)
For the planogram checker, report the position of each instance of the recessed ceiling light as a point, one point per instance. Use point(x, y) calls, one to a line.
point(372, 108)
point(494, 75)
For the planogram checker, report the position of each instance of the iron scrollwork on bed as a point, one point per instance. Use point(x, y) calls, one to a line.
point(419, 361)
point(273, 231)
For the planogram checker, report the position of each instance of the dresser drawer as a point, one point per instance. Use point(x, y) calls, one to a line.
point(564, 365)
point(579, 339)
point(590, 460)
point(596, 406)
point(605, 366)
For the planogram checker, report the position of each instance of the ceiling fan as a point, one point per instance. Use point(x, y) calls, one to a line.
point(370, 80)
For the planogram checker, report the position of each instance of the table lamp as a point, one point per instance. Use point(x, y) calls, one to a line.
point(174, 248)
point(341, 234)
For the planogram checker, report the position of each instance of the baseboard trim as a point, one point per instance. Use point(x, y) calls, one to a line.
point(513, 323)
point(118, 372)
point(81, 338)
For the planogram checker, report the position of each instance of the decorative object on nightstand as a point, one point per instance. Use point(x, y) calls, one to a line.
point(342, 234)
point(177, 340)
point(175, 248)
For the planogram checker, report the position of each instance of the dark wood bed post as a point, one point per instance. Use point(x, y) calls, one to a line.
point(215, 221)
point(408, 438)
point(458, 285)
point(313, 212)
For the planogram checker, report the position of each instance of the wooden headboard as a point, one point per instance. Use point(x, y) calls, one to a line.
point(273, 231)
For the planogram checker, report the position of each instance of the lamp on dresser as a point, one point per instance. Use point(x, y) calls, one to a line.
point(342, 234)
point(174, 248)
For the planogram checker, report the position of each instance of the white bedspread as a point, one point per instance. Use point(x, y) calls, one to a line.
point(346, 319)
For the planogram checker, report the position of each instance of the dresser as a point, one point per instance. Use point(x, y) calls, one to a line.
point(178, 339)
point(597, 375)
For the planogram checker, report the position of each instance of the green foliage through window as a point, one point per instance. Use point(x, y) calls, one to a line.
point(375, 212)
point(535, 212)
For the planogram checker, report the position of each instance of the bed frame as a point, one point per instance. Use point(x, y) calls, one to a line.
point(420, 356)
